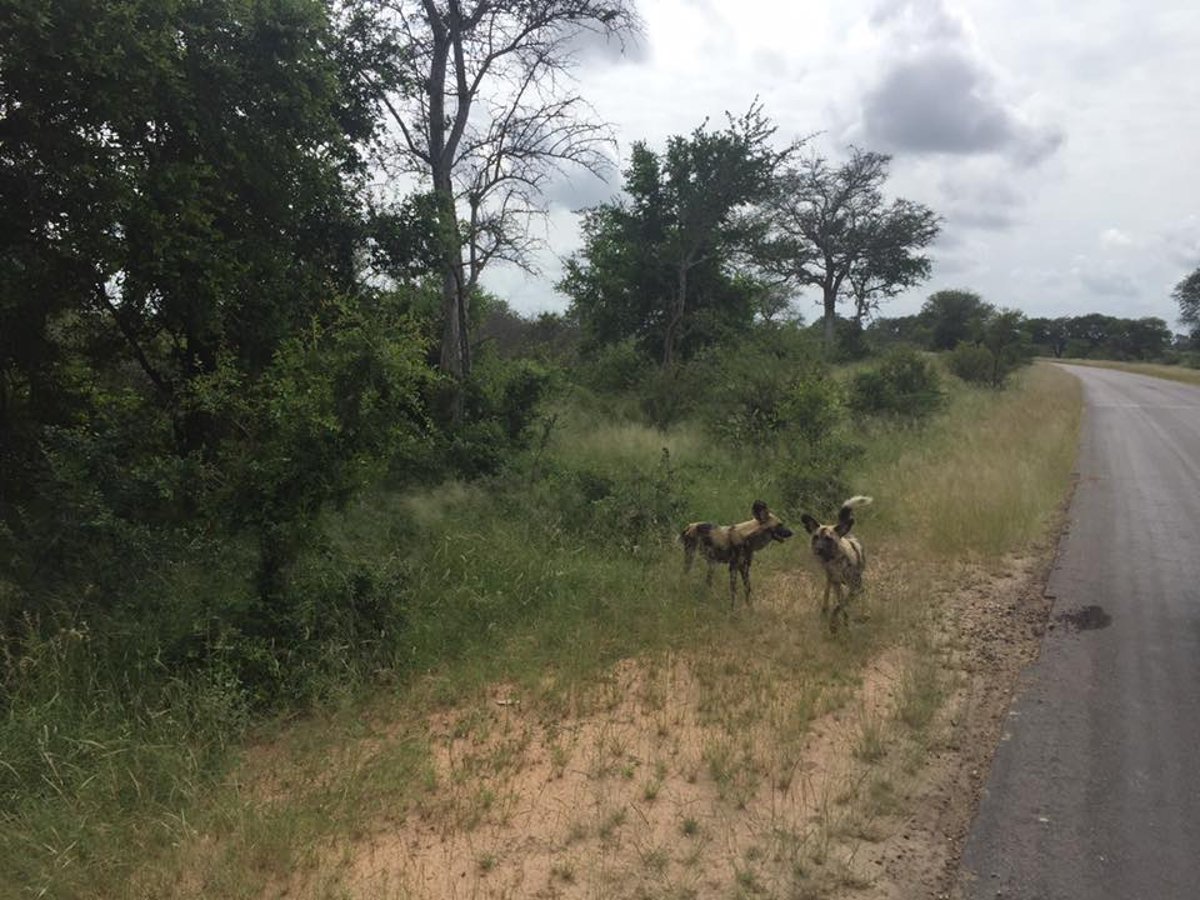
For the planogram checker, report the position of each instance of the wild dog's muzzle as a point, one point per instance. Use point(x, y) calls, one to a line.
point(825, 549)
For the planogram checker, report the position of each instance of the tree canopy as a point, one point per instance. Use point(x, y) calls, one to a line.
point(955, 316)
point(833, 230)
point(667, 265)
point(1187, 295)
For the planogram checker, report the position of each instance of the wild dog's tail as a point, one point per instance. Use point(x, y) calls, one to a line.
point(846, 513)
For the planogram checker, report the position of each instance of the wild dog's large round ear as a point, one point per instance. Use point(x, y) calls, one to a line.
point(759, 510)
point(845, 521)
point(810, 524)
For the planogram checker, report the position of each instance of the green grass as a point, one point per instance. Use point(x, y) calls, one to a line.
point(541, 585)
point(986, 478)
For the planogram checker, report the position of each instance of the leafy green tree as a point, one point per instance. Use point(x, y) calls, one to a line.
point(180, 185)
point(663, 267)
point(832, 230)
point(1005, 337)
point(954, 316)
point(176, 178)
point(1143, 339)
point(1088, 335)
point(1187, 295)
point(912, 330)
point(341, 400)
point(1051, 334)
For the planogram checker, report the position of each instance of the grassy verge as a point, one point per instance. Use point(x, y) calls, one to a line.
point(982, 481)
point(1171, 373)
point(531, 595)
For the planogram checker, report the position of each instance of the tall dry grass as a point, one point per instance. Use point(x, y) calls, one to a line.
point(985, 479)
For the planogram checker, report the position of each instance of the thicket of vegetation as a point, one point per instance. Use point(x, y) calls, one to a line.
point(243, 397)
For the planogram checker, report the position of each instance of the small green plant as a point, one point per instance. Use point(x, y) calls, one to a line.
point(610, 824)
point(656, 859)
point(690, 827)
point(871, 746)
point(920, 695)
point(559, 757)
point(748, 881)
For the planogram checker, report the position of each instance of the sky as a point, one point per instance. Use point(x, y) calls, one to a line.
point(1059, 140)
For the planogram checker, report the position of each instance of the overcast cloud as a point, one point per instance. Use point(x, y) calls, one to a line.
point(1058, 141)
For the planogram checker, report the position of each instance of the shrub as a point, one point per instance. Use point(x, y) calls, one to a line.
point(753, 395)
point(634, 507)
point(972, 363)
point(614, 367)
point(501, 403)
point(904, 385)
point(812, 475)
point(667, 395)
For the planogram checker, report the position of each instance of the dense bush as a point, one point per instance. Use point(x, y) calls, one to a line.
point(972, 363)
point(753, 392)
point(614, 367)
point(903, 385)
point(812, 474)
point(626, 509)
point(502, 402)
point(1004, 346)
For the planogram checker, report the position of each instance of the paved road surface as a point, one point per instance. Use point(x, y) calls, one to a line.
point(1095, 788)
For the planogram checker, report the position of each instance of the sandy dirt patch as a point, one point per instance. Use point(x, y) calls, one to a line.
point(722, 771)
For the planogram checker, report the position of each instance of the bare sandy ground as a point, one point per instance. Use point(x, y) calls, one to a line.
point(722, 772)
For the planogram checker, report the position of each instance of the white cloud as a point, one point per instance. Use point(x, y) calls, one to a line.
point(1115, 239)
point(1182, 241)
point(1040, 135)
point(938, 93)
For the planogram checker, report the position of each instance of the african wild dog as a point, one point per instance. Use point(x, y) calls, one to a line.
point(842, 558)
point(733, 544)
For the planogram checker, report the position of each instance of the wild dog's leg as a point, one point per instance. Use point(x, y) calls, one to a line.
point(708, 574)
point(733, 567)
point(825, 599)
point(744, 566)
point(839, 608)
point(856, 582)
point(689, 555)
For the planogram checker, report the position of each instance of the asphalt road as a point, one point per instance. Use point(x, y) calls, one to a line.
point(1095, 788)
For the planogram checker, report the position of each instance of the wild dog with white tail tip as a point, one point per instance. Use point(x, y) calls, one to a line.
point(733, 544)
point(842, 558)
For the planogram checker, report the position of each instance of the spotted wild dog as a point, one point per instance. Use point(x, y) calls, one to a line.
point(733, 544)
point(843, 558)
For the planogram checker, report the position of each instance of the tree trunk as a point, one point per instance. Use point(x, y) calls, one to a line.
point(678, 306)
point(829, 299)
point(455, 359)
point(455, 356)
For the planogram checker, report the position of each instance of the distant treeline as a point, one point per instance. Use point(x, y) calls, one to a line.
point(949, 317)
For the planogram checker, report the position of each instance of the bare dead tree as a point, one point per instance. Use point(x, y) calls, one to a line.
point(484, 113)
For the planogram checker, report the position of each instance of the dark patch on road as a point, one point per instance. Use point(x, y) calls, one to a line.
point(1089, 618)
